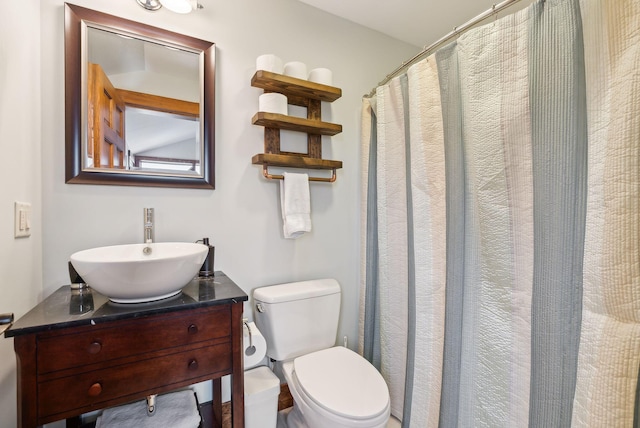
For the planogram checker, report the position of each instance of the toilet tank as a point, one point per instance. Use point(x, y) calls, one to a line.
point(298, 317)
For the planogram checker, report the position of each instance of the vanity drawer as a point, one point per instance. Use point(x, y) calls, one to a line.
point(93, 390)
point(96, 344)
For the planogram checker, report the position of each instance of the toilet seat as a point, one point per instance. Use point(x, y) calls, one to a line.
point(342, 383)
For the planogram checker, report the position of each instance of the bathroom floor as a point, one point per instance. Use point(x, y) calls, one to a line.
point(394, 423)
point(226, 418)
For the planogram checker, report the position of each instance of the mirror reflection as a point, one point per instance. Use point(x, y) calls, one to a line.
point(139, 103)
point(143, 108)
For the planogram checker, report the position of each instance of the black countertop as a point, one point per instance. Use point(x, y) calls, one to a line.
point(71, 308)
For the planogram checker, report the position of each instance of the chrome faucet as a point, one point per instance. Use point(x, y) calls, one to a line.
point(148, 226)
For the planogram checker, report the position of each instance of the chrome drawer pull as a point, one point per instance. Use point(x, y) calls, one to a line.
point(151, 404)
point(193, 329)
point(95, 389)
point(95, 347)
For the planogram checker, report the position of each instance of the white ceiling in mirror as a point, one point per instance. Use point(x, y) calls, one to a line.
point(136, 64)
point(417, 22)
point(149, 130)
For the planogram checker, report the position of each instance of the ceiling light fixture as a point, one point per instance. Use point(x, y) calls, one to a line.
point(152, 5)
point(177, 6)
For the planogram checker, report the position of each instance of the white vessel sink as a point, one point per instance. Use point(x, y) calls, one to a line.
point(138, 273)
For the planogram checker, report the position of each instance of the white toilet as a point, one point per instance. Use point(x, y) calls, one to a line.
point(332, 386)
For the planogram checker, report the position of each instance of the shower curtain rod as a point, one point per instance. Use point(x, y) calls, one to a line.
point(495, 9)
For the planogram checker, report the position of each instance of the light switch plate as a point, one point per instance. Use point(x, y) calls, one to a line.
point(22, 220)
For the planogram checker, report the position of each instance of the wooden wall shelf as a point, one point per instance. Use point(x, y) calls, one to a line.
point(294, 161)
point(291, 123)
point(301, 93)
point(273, 82)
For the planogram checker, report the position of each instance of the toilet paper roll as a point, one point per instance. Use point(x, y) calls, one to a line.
point(296, 69)
point(273, 102)
point(269, 62)
point(321, 75)
point(253, 358)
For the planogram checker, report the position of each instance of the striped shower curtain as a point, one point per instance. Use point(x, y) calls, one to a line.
point(501, 224)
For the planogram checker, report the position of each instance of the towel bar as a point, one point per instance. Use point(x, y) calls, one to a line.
point(265, 172)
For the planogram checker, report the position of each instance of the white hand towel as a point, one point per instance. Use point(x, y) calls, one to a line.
point(296, 205)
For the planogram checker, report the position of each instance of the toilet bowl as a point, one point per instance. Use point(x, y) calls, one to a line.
point(336, 388)
point(332, 386)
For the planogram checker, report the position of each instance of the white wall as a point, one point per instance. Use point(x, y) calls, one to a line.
point(241, 216)
point(20, 259)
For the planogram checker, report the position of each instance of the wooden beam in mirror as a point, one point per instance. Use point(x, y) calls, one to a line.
point(144, 116)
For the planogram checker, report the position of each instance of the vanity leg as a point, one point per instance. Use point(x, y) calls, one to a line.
point(25, 348)
point(216, 402)
point(237, 375)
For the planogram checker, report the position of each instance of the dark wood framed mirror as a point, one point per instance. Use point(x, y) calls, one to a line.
point(139, 104)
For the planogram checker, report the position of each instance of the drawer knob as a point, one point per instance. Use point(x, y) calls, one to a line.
point(193, 364)
point(95, 389)
point(193, 329)
point(95, 347)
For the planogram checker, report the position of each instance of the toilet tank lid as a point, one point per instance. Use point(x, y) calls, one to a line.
point(296, 290)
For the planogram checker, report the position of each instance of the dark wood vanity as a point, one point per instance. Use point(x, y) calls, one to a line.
point(78, 352)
